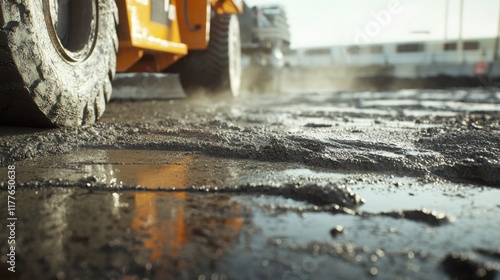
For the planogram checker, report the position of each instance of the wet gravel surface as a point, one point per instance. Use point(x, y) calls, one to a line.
point(303, 185)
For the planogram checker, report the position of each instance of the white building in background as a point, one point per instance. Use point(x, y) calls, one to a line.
point(405, 60)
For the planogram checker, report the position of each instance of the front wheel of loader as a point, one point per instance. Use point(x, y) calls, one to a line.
point(216, 70)
point(57, 59)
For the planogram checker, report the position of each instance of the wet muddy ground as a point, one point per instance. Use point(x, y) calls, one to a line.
point(298, 185)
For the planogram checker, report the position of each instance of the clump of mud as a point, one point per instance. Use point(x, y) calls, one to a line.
point(316, 194)
point(471, 155)
point(429, 217)
point(460, 266)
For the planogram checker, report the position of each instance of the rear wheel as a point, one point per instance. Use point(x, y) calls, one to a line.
point(216, 70)
point(60, 57)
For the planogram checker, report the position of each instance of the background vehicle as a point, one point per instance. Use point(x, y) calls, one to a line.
point(58, 57)
point(265, 35)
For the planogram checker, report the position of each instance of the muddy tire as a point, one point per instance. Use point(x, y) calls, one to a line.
point(216, 70)
point(57, 60)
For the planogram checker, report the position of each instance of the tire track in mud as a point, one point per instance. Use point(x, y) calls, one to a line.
point(457, 156)
point(451, 144)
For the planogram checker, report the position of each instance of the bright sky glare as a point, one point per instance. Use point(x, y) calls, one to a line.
point(331, 22)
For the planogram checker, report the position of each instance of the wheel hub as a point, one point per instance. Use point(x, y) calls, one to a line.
point(72, 26)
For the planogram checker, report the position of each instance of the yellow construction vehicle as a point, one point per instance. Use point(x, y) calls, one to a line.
point(58, 57)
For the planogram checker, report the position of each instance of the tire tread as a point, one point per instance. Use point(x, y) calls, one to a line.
point(16, 96)
point(206, 69)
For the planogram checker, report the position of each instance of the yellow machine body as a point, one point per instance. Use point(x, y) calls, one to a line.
point(154, 34)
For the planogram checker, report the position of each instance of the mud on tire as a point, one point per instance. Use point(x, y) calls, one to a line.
point(57, 60)
point(216, 70)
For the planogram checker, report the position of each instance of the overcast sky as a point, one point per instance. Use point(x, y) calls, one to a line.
point(329, 22)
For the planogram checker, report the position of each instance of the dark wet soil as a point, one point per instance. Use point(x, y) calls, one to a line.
point(291, 186)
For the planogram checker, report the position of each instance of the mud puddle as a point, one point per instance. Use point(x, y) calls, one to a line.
point(190, 215)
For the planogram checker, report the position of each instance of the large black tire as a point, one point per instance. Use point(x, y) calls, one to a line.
point(57, 60)
point(216, 70)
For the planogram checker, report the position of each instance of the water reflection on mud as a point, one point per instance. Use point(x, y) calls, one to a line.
point(181, 223)
point(127, 235)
